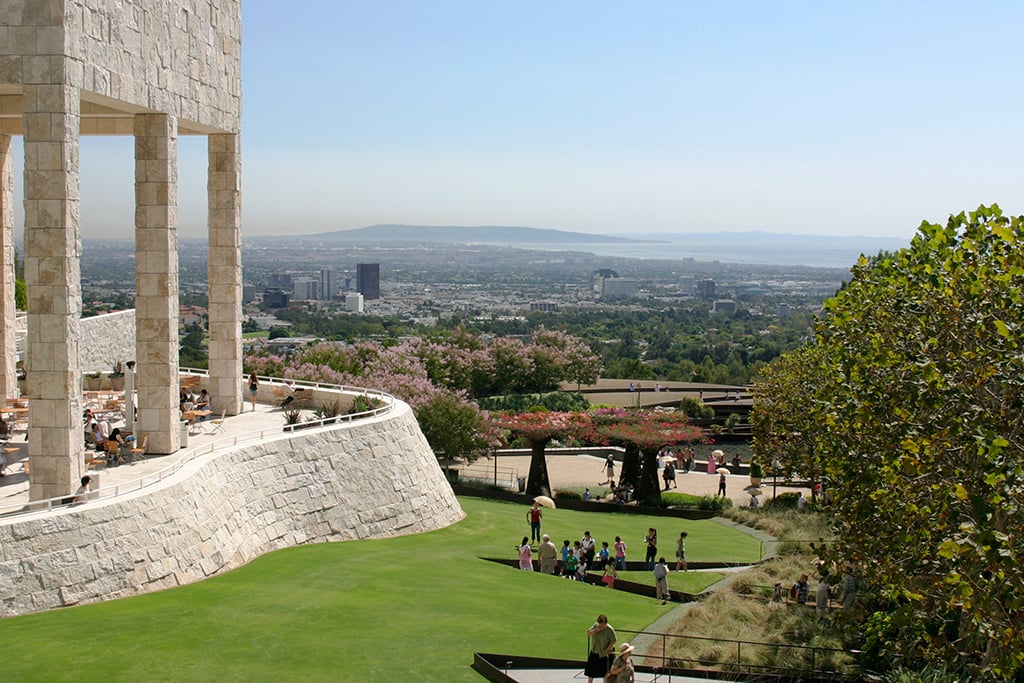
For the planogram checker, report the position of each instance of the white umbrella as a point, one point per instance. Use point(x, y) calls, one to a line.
point(754, 491)
point(716, 454)
point(545, 501)
point(723, 470)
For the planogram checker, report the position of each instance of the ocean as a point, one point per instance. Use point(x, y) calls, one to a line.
point(757, 248)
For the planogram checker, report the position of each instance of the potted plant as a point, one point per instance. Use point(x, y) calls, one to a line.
point(93, 381)
point(756, 473)
point(117, 377)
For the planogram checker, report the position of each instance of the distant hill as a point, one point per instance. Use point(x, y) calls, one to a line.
point(455, 234)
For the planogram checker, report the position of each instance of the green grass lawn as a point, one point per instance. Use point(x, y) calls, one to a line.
point(414, 608)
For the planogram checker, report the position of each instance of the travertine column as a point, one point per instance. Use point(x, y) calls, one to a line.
point(225, 272)
point(156, 280)
point(52, 275)
point(8, 341)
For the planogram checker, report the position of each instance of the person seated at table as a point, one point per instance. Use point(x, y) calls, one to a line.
point(203, 401)
point(99, 434)
point(185, 400)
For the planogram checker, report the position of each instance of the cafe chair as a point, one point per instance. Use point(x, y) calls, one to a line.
point(218, 424)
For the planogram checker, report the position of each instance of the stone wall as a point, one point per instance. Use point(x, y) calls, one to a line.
point(181, 57)
point(376, 478)
point(106, 339)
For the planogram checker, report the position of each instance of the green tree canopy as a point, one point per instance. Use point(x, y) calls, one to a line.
point(917, 409)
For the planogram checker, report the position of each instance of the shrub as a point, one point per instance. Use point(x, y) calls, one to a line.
point(783, 501)
point(755, 469)
point(688, 500)
point(293, 416)
point(363, 404)
point(566, 494)
point(714, 503)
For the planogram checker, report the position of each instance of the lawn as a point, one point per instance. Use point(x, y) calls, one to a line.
point(410, 608)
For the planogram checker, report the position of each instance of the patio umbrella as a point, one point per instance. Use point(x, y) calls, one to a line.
point(723, 470)
point(545, 501)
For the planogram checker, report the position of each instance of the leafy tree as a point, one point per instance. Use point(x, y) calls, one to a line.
point(452, 426)
point(786, 412)
point(918, 412)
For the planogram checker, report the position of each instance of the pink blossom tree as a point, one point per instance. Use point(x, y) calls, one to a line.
point(539, 429)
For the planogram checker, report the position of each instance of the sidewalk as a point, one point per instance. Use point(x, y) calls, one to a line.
point(14, 486)
point(572, 471)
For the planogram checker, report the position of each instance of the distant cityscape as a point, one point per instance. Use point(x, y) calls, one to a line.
point(424, 283)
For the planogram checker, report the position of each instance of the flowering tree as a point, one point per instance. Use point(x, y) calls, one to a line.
point(538, 429)
point(648, 432)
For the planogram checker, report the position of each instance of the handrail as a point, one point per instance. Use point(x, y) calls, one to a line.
point(191, 454)
point(670, 665)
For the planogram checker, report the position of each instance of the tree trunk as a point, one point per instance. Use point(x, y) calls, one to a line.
point(538, 484)
point(648, 489)
point(630, 465)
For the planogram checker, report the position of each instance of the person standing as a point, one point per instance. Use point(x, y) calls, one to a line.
point(620, 553)
point(821, 595)
point(603, 555)
point(609, 469)
point(589, 546)
point(622, 670)
point(800, 590)
point(651, 539)
point(661, 581)
point(721, 484)
point(548, 555)
point(602, 649)
point(533, 516)
point(254, 387)
point(849, 596)
point(525, 555)
point(681, 551)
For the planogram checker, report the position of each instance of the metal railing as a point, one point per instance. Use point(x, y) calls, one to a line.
point(747, 657)
point(225, 443)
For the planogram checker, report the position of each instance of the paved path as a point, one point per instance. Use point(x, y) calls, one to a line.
point(571, 471)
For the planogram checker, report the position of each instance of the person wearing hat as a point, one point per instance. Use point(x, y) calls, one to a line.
point(602, 649)
point(622, 668)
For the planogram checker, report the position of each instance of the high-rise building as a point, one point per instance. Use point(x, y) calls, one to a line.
point(328, 284)
point(368, 280)
point(354, 302)
point(706, 288)
point(306, 288)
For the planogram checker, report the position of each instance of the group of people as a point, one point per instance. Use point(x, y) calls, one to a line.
point(99, 432)
point(575, 557)
point(800, 591)
point(191, 401)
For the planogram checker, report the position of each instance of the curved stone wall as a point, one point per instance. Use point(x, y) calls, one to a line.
point(373, 479)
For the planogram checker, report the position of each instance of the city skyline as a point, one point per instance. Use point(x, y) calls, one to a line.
point(828, 119)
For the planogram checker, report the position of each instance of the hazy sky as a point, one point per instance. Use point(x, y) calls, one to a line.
point(821, 117)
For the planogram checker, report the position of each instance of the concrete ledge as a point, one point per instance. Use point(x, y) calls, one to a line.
point(373, 479)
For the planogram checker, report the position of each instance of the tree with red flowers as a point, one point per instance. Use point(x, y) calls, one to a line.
point(539, 429)
point(644, 434)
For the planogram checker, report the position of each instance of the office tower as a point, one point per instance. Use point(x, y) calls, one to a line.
point(328, 284)
point(368, 280)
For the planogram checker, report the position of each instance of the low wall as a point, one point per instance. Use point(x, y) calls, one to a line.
point(373, 479)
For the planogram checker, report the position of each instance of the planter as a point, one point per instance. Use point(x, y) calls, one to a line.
point(116, 382)
point(755, 481)
point(92, 382)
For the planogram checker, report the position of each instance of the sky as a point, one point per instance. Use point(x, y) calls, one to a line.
point(815, 117)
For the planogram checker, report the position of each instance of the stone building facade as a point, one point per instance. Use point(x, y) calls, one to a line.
point(153, 69)
point(375, 478)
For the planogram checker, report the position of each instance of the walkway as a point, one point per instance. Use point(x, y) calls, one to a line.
point(14, 486)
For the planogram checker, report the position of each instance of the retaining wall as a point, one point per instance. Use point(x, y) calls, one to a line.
point(376, 478)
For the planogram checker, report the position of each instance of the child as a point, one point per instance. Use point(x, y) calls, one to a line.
point(572, 562)
point(603, 554)
point(566, 551)
point(609, 575)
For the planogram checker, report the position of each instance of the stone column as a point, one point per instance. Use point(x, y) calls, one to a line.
point(156, 280)
point(52, 275)
point(225, 272)
point(8, 337)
